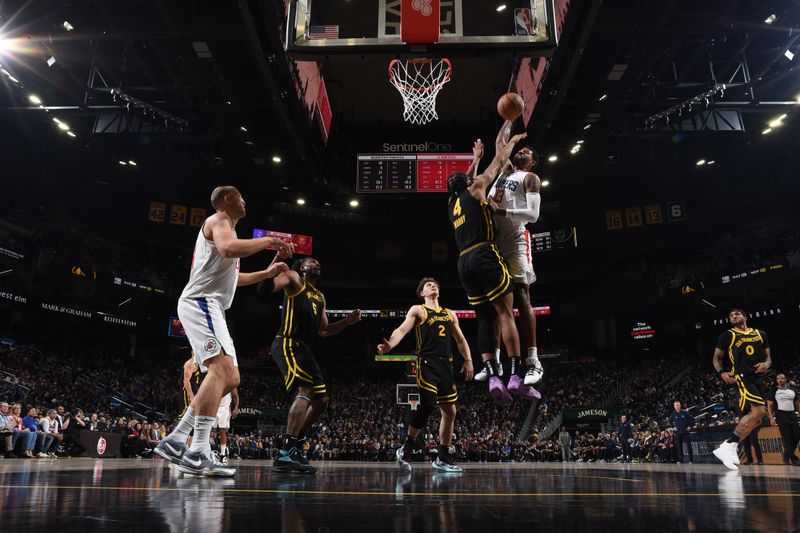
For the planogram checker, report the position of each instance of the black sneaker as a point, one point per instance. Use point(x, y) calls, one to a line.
point(292, 461)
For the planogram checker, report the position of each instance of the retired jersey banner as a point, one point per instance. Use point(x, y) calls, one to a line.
point(157, 212)
point(177, 215)
point(197, 217)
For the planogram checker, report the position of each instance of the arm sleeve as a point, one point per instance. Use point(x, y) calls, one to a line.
point(764, 336)
point(529, 214)
point(724, 340)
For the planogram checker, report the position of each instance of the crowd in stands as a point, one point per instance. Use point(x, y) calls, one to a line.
point(120, 393)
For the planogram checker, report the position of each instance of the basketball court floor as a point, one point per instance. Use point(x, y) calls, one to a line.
point(144, 495)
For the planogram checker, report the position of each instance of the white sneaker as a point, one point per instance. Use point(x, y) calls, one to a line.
point(534, 373)
point(728, 454)
point(483, 375)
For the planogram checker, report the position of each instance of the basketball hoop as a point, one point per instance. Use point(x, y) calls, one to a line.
point(419, 81)
point(413, 404)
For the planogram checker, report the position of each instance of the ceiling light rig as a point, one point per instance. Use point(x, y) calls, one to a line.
point(149, 110)
point(702, 99)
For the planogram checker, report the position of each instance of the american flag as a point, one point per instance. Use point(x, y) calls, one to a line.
point(324, 32)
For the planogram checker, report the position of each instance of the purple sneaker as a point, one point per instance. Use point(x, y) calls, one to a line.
point(517, 388)
point(498, 391)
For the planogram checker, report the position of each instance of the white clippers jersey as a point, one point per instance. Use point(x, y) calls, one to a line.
point(509, 192)
point(212, 276)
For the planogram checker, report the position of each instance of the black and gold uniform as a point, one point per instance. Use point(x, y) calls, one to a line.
point(194, 381)
point(291, 349)
point(745, 350)
point(480, 266)
point(435, 379)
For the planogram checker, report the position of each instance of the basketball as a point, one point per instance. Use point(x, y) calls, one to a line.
point(510, 106)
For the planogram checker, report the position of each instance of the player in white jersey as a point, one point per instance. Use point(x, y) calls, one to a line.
point(222, 424)
point(515, 198)
point(209, 292)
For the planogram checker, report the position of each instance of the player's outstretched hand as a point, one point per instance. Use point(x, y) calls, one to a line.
point(477, 149)
point(354, 317)
point(276, 268)
point(384, 347)
point(286, 249)
point(284, 253)
point(467, 370)
point(518, 137)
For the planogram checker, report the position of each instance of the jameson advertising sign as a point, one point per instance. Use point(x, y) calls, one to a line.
point(592, 414)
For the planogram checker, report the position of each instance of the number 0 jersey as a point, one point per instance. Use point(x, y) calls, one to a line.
point(302, 314)
point(744, 349)
point(434, 333)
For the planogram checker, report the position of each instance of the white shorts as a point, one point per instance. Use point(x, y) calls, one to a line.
point(203, 320)
point(223, 420)
point(515, 246)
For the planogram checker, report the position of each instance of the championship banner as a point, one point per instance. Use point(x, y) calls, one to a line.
point(302, 243)
point(157, 212)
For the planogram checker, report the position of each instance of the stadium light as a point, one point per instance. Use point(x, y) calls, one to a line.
point(602, 98)
point(766, 131)
point(770, 19)
point(123, 163)
point(242, 128)
point(586, 127)
point(34, 99)
point(580, 142)
point(553, 158)
point(353, 203)
point(276, 159)
point(545, 183)
point(301, 201)
point(63, 126)
point(789, 55)
point(711, 162)
point(67, 26)
point(501, 7)
point(71, 134)
point(132, 163)
point(700, 162)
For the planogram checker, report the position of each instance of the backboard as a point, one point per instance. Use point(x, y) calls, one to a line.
point(322, 29)
point(406, 392)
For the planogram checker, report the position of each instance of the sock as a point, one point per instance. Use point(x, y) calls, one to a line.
point(409, 444)
point(444, 453)
point(289, 442)
point(202, 432)
point(516, 366)
point(533, 355)
point(489, 366)
point(223, 449)
point(497, 355)
point(733, 438)
point(184, 427)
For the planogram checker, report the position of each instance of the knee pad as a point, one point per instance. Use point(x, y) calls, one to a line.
point(419, 418)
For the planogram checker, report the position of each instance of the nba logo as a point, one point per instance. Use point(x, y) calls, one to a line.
point(101, 446)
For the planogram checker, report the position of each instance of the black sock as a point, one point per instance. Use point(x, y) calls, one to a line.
point(409, 444)
point(489, 366)
point(444, 453)
point(516, 366)
point(733, 438)
point(289, 442)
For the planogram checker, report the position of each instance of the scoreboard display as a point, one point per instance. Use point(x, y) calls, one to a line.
point(408, 172)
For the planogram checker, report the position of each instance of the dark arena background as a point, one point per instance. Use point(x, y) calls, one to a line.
point(667, 139)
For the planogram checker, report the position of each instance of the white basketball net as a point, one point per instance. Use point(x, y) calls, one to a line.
point(419, 81)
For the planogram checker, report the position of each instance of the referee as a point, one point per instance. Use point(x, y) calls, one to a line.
point(785, 418)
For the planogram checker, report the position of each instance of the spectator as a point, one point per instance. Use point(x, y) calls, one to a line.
point(7, 425)
point(43, 440)
point(72, 433)
point(625, 437)
point(565, 441)
point(23, 439)
point(49, 425)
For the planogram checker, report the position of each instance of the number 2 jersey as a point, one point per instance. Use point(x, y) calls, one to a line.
point(434, 333)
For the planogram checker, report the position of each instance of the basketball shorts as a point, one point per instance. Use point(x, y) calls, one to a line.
point(203, 320)
point(750, 393)
point(436, 380)
point(515, 247)
point(183, 403)
point(298, 366)
point(484, 274)
point(223, 419)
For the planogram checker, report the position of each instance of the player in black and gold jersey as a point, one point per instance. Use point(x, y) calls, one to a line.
point(303, 319)
point(434, 327)
point(192, 378)
point(481, 268)
point(748, 351)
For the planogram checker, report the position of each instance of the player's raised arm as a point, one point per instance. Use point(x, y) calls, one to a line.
point(477, 155)
point(414, 314)
point(230, 247)
point(326, 329)
point(485, 179)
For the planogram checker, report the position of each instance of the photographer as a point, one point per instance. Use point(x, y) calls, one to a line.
point(72, 433)
point(785, 417)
